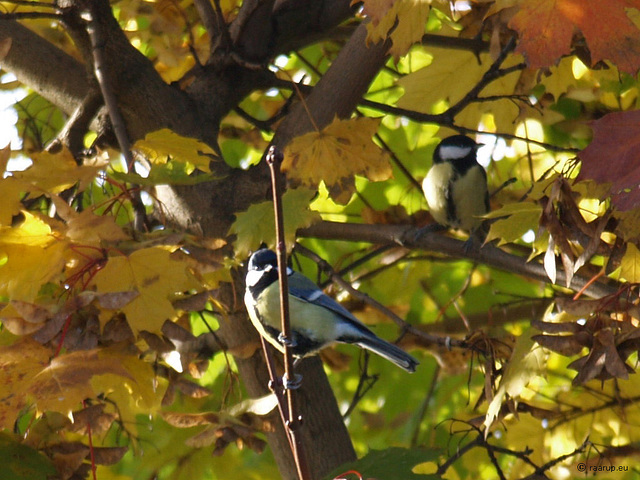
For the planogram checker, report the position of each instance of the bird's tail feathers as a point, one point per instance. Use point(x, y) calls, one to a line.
point(390, 352)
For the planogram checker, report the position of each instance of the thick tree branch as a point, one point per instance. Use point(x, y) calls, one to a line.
point(487, 255)
point(46, 69)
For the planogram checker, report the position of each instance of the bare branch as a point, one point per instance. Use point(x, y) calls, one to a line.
point(490, 255)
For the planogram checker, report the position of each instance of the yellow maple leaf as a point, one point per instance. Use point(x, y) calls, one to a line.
point(5, 155)
point(334, 155)
point(86, 228)
point(163, 144)
point(11, 193)
point(403, 21)
point(137, 391)
point(55, 172)
point(257, 224)
point(514, 220)
point(527, 361)
point(630, 264)
point(31, 255)
point(450, 76)
point(155, 276)
point(19, 364)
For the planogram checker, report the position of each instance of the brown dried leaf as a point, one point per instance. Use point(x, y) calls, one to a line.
point(173, 331)
point(116, 300)
point(94, 417)
point(108, 455)
point(67, 457)
point(188, 420)
point(157, 343)
point(603, 361)
point(566, 345)
point(117, 330)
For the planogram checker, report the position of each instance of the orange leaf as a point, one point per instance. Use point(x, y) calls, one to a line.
point(546, 28)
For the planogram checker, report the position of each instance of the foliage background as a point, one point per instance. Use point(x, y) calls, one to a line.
point(136, 190)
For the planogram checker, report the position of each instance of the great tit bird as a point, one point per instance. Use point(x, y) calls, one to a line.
point(456, 186)
point(316, 319)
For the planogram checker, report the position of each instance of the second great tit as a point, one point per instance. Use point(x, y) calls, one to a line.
point(316, 319)
point(456, 186)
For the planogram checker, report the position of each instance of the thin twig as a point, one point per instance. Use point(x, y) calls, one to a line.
point(29, 15)
point(98, 41)
point(405, 171)
point(425, 404)
point(293, 421)
point(365, 383)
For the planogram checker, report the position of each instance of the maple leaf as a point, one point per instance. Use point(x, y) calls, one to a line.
point(11, 193)
point(612, 155)
point(546, 28)
point(55, 172)
point(403, 21)
point(32, 255)
point(630, 264)
point(64, 383)
point(257, 224)
point(341, 150)
point(19, 364)
point(514, 220)
point(171, 173)
point(162, 145)
point(527, 361)
point(155, 276)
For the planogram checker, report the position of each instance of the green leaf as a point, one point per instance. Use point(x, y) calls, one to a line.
point(162, 145)
point(392, 464)
point(257, 224)
point(520, 218)
point(170, 173)
point(20, 462)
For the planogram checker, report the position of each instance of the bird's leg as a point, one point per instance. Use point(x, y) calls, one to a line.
point(476, 239)
point(292, 383)
point(296, 381)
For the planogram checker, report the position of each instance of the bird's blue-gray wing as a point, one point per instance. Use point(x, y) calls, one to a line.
point(306, 290)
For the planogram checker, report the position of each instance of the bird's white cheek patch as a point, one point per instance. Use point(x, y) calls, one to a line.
point(253, 277)
point(451, 152)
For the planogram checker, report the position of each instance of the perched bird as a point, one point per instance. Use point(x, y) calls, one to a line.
point(456, 186)
point(316, 319)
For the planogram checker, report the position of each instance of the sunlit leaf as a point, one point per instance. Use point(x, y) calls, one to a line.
point(341, 150)
point(163, 144)
point(257, 224)
point(155, 276)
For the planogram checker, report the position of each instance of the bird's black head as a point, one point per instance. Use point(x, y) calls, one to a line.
point(459, 150)
point(261, 258)
point(262, 270)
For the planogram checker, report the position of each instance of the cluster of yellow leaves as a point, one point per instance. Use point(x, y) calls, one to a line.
point(61, 384)
point(49, 173)
point(449, 77)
